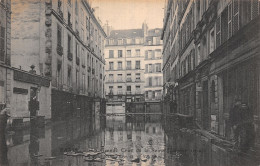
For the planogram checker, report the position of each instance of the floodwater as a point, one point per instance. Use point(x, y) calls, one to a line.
point(134, 140)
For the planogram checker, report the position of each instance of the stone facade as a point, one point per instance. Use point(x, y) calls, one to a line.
point(65, 42)
point(210, 57)
point(128, 55)
point(5, 48)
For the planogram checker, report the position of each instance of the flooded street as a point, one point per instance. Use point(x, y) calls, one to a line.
point(117, 140)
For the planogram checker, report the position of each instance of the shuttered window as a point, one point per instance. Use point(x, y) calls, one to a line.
point(2, 44)
point(235, 16)
point(230, 20)
point(224, 25)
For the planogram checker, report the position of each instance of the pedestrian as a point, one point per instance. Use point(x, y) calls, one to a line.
point(247, 124)
point(235, 118)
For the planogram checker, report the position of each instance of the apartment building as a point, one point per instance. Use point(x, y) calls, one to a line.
point(5, 51)
point(124, 55)
point(153, 66)
point(210, 58)
point(133, 70)
point(65, 42)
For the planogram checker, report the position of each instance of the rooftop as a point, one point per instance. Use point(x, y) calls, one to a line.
point(129, 33)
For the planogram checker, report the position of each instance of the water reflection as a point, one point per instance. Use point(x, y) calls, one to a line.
point(121, 140)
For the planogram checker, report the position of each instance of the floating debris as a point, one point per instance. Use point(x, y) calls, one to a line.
point(37, 155)
point(137, 160)
point(50, 158)
point(91, 153)
point(93, 160)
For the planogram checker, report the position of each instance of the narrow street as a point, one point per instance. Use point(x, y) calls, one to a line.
point(117, 140)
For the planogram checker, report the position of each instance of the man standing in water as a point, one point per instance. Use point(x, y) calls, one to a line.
point(3, 146)
point(235, 118)
point(241, 120)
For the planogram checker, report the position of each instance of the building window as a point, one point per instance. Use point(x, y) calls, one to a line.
point(111, 65)
point(119, 67)
point(212, 41)
point(137, 41)
point(138, 89)
point(120, 53)
point(83, 57)
point(137, 52)
point(119, 78)
point(59, 74)
point(150, 81)
point(111, 53)
point(137, 77)
point(150, 54)
point(2, 44)
point(137, 65)
point(128, 88)
point(120, 42)
point(157, 81)
point(158, 54)
point(69, 44)
point(157, 67)
point(128, 41)
point(111, 41)
point(128, 65)
point(83, 83)
point(128, 53)
point(150, 68)
point(198, 53)
point(128, 77)
point(77, 80)
point(120, 91)
point(158, 41)
point(59, 35)
point(69, 19)
point(111, 90)
point(111, 78)
point(69, 77)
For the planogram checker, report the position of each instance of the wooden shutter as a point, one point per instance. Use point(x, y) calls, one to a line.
point(218, 32)
point(2, 44)
point(153, 54)
point(254, 8)
point(146, 68)
point(146, 54)
point(235, 16)
point(224, 25)
point(230, 19)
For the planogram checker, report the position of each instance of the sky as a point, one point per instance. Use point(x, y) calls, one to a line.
point(130, 14)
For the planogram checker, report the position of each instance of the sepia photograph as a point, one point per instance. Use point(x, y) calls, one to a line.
point(129, 82)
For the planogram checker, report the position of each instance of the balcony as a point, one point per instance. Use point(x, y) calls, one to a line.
point(77, 60)
point(137, 80)
point(120, 93)
point(77, 33)
point(138, 92)
point(128, 68)
point(110, 81)
point(60, 12)
point(120, 80)
point(128, 79)
point(70, 24)
point(70, 56)
point(59, 50)
point(128, 92)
